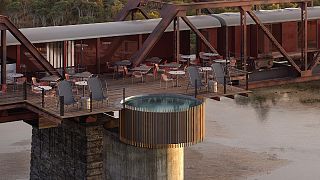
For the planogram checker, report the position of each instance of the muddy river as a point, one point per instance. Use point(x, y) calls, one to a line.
point(273, 134)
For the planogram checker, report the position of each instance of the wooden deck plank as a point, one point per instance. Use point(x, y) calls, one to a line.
point(115, 94)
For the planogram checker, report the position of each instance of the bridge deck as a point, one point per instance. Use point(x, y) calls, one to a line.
point(115, 94)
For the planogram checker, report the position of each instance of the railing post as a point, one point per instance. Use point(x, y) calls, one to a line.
point(61, 99)
point(247, 81)
point(224, 85)
point(25, 91)
point(123, 97)
point(42, 97)
point(90, 101)
point(195, 88)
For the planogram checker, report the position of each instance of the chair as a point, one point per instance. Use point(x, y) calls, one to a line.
point(219, 75)
point(137, 75)
point(118, 70)
point(34, 85)
point(152, 73)
point(21, 81)
point(65, 90)
point(193, 60)
point(96, 89)
point(165, 78)
point(194, 76)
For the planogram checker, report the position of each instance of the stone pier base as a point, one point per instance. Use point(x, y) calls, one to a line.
point(123, 162)
point(70, 151)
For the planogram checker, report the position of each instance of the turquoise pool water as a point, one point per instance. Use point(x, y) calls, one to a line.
point(162, 102)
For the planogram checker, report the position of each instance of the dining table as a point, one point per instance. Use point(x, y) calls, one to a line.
point(121, 63)
point(85, 74)
point(154, 60)
point(206, 70)
point(15, 76)
point(187, 58)
point(173, 65)
point(83, 84)
point(53, 79)
point(177, 74)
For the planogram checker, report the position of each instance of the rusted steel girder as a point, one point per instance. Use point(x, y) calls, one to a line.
point(31, 48)
point(315, 61)
point(243, 25)
point(273, 40)
point(176, 27)
point(122, 15)
point(131, 6)
point(168, 14)
point(236, 3)
point(199, 34)
point(304, 39)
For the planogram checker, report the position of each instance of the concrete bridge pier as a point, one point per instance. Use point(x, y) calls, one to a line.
point(123, 161)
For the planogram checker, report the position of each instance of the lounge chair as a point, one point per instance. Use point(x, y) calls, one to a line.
point(219, 74)
point(65, 90)
point(194, 76)
point(96, 89)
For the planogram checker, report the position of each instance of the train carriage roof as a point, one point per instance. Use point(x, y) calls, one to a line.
point(272, 16)
point(125, 28)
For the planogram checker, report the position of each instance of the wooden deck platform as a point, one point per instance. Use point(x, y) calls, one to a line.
point(115, 94)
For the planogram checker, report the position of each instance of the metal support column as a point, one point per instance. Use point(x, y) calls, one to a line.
point(176, 26)
point(243, 41)
point(98, 59)
point(3, 57)
point(304, 39)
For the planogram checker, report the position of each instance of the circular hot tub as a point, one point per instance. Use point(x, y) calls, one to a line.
point(162, 120)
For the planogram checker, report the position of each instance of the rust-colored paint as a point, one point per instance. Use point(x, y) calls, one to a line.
point(318, 33)
point(277, 31)
point(289, 36)
point(264, 45)
point(18, 58)
point(253, 41)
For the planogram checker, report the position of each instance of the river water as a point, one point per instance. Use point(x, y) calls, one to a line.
point(260, 137)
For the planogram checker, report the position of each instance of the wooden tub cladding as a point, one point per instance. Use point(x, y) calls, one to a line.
point(162, 129)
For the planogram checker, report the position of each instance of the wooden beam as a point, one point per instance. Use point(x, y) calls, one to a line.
point(26, 116)
point(216, 98)
point(3, 57)
point(199, 34)
point(44, 113)
point(12, 105)
point(273, 40)
point(231, 96)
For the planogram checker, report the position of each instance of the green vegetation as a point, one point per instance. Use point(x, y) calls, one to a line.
point(32, 13)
